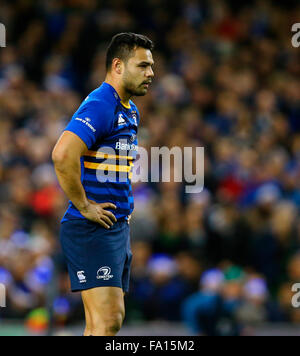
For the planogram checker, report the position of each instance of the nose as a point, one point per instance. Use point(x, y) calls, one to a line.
point(150, 73)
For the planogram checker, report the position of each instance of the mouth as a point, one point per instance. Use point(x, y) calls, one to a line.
point(146, 85)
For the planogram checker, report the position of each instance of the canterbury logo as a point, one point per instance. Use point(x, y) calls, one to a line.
point(121, 120)
point(81, 276)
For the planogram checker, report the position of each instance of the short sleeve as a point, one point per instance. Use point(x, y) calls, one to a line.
point(92, 120)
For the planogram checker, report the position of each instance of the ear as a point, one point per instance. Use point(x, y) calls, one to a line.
point(117, 65)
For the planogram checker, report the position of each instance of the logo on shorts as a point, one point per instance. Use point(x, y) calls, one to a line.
point(81, 276)
point(104, 273)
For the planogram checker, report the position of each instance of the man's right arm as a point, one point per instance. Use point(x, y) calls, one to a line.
point(66, 158)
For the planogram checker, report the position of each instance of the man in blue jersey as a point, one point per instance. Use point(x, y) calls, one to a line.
point(93, 160)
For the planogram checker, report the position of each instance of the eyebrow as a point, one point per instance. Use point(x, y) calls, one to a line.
point(145, 62)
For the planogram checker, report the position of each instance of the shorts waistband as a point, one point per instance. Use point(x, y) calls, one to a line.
point(68, 217)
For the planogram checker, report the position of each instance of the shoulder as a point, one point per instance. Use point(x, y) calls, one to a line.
point(104, 94)
point(99, 106)
point(102, 98)
point(98, 112)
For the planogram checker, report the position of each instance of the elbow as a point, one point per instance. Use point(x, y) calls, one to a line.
point(58, 156)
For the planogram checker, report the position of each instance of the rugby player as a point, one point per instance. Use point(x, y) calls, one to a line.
point(93, 160)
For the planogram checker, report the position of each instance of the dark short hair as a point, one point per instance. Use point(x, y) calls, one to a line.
point(123, 44)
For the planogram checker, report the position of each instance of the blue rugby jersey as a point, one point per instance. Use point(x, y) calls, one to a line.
point(109, 129)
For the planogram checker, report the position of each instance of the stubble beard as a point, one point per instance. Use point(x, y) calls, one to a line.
point(134, 90)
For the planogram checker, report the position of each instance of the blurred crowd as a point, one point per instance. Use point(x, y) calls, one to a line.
point(227, 79)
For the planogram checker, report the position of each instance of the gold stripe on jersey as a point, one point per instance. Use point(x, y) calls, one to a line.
point(97, 154)
point(130, 172)
point(107, 167)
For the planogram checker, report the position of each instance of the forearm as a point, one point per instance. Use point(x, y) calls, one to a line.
point(68, 174)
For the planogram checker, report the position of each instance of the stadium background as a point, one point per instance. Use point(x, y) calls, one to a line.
point(226, 78)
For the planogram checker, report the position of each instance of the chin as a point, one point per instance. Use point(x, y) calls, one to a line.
point(141, 92)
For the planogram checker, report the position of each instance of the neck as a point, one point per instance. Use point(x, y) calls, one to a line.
point(124, 96)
